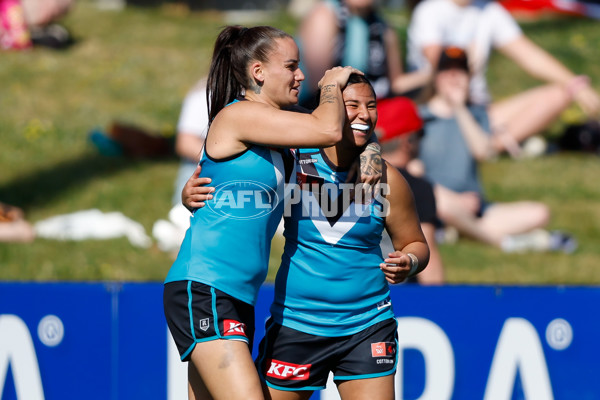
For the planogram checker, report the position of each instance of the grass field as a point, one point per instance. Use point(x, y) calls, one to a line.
point(136, 65)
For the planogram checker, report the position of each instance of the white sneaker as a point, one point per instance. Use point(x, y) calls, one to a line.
point(536, 240)
point(534, 147)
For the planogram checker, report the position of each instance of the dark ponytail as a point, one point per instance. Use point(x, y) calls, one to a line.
point(235, 47)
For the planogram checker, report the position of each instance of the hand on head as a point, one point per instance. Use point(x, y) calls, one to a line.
point(337, 75)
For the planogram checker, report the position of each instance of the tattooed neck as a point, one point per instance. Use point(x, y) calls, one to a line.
point(255, 88)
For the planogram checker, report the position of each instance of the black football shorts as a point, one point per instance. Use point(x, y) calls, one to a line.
point(196, 313)
point(292, 360)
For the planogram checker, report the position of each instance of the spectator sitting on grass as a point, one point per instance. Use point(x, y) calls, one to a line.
point(457, 137)
point(33, 22)
point(399, 130)
point(13, 225)
point(191, 132)
point(479, 27)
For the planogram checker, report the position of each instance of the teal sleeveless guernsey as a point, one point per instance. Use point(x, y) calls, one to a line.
point(329, 282)
point(228, 243)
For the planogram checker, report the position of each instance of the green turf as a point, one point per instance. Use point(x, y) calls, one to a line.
point(136, 65)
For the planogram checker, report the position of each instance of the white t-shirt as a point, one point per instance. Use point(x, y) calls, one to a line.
point(477, 28)
point(193, 118)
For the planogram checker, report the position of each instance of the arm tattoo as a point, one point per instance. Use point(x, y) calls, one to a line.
point(370, 160)
point(328, 94)
point(374, 146)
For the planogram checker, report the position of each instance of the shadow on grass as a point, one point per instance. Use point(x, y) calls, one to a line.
point(42, 186)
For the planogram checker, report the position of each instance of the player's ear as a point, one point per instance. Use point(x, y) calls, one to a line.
point(257, 73)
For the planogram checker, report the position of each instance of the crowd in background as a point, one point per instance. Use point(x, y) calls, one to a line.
point(423, 122)
point(438, 120)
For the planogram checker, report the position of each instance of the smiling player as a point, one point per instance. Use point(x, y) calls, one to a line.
point(332, 311)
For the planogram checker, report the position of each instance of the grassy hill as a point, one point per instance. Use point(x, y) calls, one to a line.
point(136, 65)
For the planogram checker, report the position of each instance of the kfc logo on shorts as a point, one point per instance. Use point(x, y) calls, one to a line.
point(233, 328)
point(383, 349)
point(287, 371)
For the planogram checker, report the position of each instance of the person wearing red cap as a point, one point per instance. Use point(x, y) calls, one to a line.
point(399, 130)
point(397, 116)
point(456, 138)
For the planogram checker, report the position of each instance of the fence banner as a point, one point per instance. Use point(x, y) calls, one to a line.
point(109, 341)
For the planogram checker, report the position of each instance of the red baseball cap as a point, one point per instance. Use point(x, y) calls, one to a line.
point(397, 116)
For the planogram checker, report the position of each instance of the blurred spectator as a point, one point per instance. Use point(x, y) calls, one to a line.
point(352, 32)
point(130, 140)
point(583, 137)
point(14, 34)
point(457, 137)
point(33, 22)
point(13, 226)
point(479, 26)
point(39, 13)
point(399, 133)
point(191, 132)
point(299, 8)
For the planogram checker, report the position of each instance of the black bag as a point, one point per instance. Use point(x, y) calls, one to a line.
point(581, 137)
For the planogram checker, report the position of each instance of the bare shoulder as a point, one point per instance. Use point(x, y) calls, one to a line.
point(398, 187)
point(259, 123)
point(243, 106)
point(227, 130)
point(394, 177)
point(240, 112)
